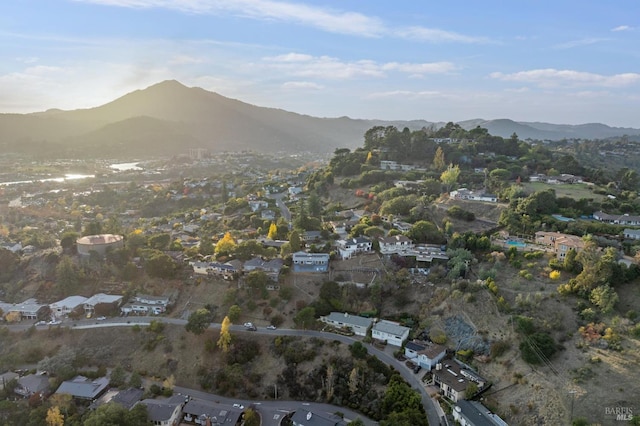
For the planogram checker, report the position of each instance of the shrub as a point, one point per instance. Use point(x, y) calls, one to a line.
point(554, 275)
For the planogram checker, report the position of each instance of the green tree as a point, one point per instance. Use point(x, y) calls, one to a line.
point(604, 297)
point(234, 313)
point(425, 232)
point(205, 247)
point(159, 241)
point(251, 418)
point(68, 275)
point(305, 318)
point(294, 241)
point(198, 321)
point(160, 265)
point(537, 347)
point(113, 414)
point(118, 377)
point(449, 177)
point(68, 240)
point(439, 163)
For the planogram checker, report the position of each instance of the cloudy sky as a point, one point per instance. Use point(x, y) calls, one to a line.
point(562, 61)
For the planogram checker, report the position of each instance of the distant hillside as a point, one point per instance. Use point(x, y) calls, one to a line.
point(168, 118)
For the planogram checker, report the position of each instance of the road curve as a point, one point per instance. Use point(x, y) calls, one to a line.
point(412, 379)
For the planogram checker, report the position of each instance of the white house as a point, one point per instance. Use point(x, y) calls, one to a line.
point(66, 306)
point(394, 244)
point(465, 194)
point(359, 325)
point(310, 262)
point(100, 299)
point(351, 246)
point(633, 234)
point(473, 413)
point(146, 304)
point(426, 355)
point(391, 332)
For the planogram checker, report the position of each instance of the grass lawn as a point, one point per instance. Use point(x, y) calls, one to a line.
point(576, 191)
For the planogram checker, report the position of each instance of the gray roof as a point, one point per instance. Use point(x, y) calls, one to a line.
point(478, 414)
point(349, 319)
point(390, 327)
point(216, 412)
point(34, 383)
point(128, 397)
point(303, 417)
point(160, 410)
point(81, 387)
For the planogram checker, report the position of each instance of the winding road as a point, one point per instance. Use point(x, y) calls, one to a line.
point(270, 411)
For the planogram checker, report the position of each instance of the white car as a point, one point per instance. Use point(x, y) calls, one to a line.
point(248, 324)
point(240, 406)
point(41, 323)
point(271, 327)
point(54, 322)
point(101, 318)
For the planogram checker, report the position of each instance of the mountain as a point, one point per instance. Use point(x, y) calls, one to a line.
point(168, 118)
point(547, 131)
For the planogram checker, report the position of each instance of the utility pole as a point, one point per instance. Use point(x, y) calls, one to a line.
point(275, 390)
point(573, 393)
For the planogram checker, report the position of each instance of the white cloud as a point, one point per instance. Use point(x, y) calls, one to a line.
point(330, 68)
point(622, 28)
point(307, 85)
point(325, 19)
point(551, 77)
point(437, 35)
point(577, 43)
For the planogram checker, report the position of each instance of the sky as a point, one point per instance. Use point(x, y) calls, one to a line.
point(562, 61)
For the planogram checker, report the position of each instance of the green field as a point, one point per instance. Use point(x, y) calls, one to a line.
point(576, 191)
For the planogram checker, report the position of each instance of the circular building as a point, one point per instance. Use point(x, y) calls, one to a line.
point(98, 243)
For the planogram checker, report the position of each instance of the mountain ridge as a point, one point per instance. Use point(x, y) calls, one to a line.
point(187, 117)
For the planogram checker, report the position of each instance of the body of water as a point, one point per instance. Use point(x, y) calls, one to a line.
point(124, 167)
point(69, 176)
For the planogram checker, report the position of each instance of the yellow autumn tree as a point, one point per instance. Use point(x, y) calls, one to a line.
point(225, 336)
point(273, 231)
point(438, 160)
point(226, 245)
point(54, 417)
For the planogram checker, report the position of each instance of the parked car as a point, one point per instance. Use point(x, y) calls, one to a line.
point(248, 324)
point(41, 323)
point(271, 327)
point(54, 322)
point(240, 406)
point(252, 328)
point(101, 318)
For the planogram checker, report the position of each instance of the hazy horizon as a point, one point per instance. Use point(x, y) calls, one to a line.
point(566, 63)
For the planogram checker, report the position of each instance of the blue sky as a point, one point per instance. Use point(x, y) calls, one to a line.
point(574, 61)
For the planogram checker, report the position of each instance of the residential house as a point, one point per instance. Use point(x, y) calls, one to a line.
point(453, 378)
point(145, 304)
point(395, 244)
point(617, 219)
point(351, 246)
point(466, 194)
point(632, 234)
point(267, 215)
point(6, 378)
point(311, 236)
point(67, 305)
point(359, 325)
point(426, 253)
point(559, 243)
point(127, 398)
point(402, 226)
point(32, 384)
point(270, 267)
point(84, 389)
point(200, 412)
point(164, 412)
point(294, 190)
point(473, 413)
point(391, 332)
point(256, 205)
point(310, 262)
point(425, 354)
point(12, 247)
point(343, 227)
point(31, 309)
point(304, 417)
point(102, 301)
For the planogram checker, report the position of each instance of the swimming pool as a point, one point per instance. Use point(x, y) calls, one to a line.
point(516, 243)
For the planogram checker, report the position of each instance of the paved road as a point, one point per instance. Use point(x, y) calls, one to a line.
point(407, 374)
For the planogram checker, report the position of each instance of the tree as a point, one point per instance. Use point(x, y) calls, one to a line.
point(450, 176)
point(198, 321)
point(438, 160)
point(234, 313)
point(160, 265)
point(205, 247)
point(305, 318)
point(273, 232)
point(68, 240)
point(224, 342)
point(251, 418)
point(159, 241)
point(113, 414)
point(226, 245)
point(538, 347)
point(425, 232)
point(118, 377)
point(604, 297)
point(54, 417)
point(294, 241)
point(68, 275)
point(135, 380)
